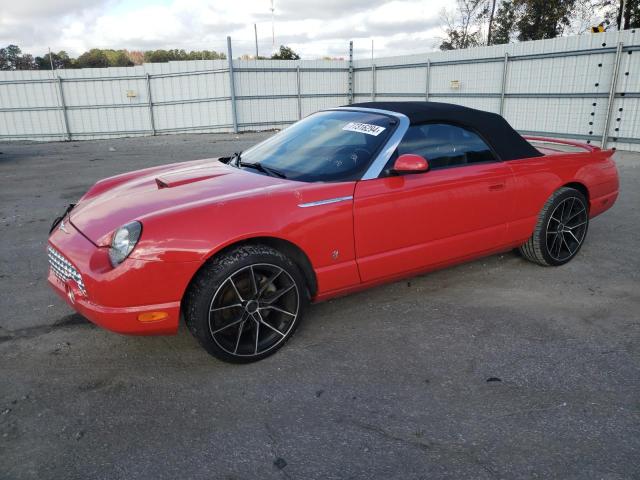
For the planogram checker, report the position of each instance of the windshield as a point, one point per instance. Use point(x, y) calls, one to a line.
point(324, 147)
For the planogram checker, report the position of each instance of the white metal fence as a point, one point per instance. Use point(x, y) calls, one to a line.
point(585, 87)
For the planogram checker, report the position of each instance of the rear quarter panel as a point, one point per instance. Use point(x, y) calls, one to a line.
point(535, 179)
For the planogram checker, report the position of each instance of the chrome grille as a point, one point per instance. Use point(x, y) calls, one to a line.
point(63, 269)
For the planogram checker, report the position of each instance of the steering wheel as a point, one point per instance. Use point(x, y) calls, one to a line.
point(357, 155)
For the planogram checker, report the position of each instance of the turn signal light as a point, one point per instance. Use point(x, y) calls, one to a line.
point(152, 316)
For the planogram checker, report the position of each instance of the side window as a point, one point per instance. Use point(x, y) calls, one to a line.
point(445, 145)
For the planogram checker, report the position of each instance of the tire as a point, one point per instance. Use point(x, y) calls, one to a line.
point(245, 304)
point(561, 229)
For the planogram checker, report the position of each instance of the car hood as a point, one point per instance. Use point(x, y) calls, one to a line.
point(118, 200)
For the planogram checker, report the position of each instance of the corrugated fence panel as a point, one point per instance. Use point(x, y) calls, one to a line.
point(31, 125)
point(559, 87)
point(488, 104)
point(83, 93)
point(30, 110)
point(553, 115)
point(191, 96)
point(265, 98)
point(323, 84)
point(29, 95)
point(626, 122)
point(215, 116)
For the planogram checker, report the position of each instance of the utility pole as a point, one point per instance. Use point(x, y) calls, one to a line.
point(350, 72)
point(493, 10)
point(273, 29)
point(232, 87)
point(50, 59)
point(255, 32)
point(623, 9)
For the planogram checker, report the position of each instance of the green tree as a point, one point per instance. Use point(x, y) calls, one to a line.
point(157, 56)
point(59, 60)
point(541, 19)
point(205, 55)
point(118, 58)
point(26, 62)
point(94, 58)
point(285, 53)
point(457, 40)
point(631, 13)
point(10, 57)
point(505, 23)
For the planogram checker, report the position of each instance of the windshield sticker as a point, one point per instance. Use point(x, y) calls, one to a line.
point(367, 128)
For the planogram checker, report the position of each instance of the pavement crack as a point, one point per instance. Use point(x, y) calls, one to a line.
point(388, 435)
point(427, 447)
point(71, 321)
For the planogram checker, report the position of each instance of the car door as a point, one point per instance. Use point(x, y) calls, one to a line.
point(458, 209)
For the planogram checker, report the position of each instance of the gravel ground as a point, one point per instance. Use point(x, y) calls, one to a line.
point(493, 369)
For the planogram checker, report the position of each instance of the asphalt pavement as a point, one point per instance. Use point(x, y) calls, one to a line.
point(492, 369)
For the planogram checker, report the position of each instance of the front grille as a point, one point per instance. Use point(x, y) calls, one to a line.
point(63, 269)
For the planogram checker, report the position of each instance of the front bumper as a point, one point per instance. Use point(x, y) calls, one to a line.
point(120, 320)
point(114, 298)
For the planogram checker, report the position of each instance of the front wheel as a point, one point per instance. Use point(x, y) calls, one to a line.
point(244, 305)
point(561, 229)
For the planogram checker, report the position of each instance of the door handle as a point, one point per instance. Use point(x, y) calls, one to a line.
point(496, 187)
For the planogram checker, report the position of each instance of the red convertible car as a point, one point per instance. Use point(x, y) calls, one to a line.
point(344, 199)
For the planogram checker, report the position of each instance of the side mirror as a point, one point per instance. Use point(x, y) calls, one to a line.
point(410, 163)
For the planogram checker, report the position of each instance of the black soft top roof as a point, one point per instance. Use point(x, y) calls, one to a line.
point(495, 130)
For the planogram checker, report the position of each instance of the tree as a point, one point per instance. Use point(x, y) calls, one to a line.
point(631, 14)
point(285, 53)
point(100, 58)
point(541, 19)
point(26, 62)
point(463, 26)
point(157, 56)
point(118, 58)
point(505, 23)
point(528, 19)
point(94, 58)
point(59, 60)
point(584, 15)
point(9, 57)
point(205, 55)
point(492, 12)
point(136, 56)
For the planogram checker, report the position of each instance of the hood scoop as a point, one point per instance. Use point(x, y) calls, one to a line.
point(175, 179)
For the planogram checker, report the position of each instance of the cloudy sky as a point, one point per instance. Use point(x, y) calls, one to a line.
point(312, 28)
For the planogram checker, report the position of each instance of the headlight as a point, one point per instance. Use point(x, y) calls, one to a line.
point(123, 241)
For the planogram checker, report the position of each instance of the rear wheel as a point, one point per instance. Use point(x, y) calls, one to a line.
point(246, 304)
point(561, 229)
